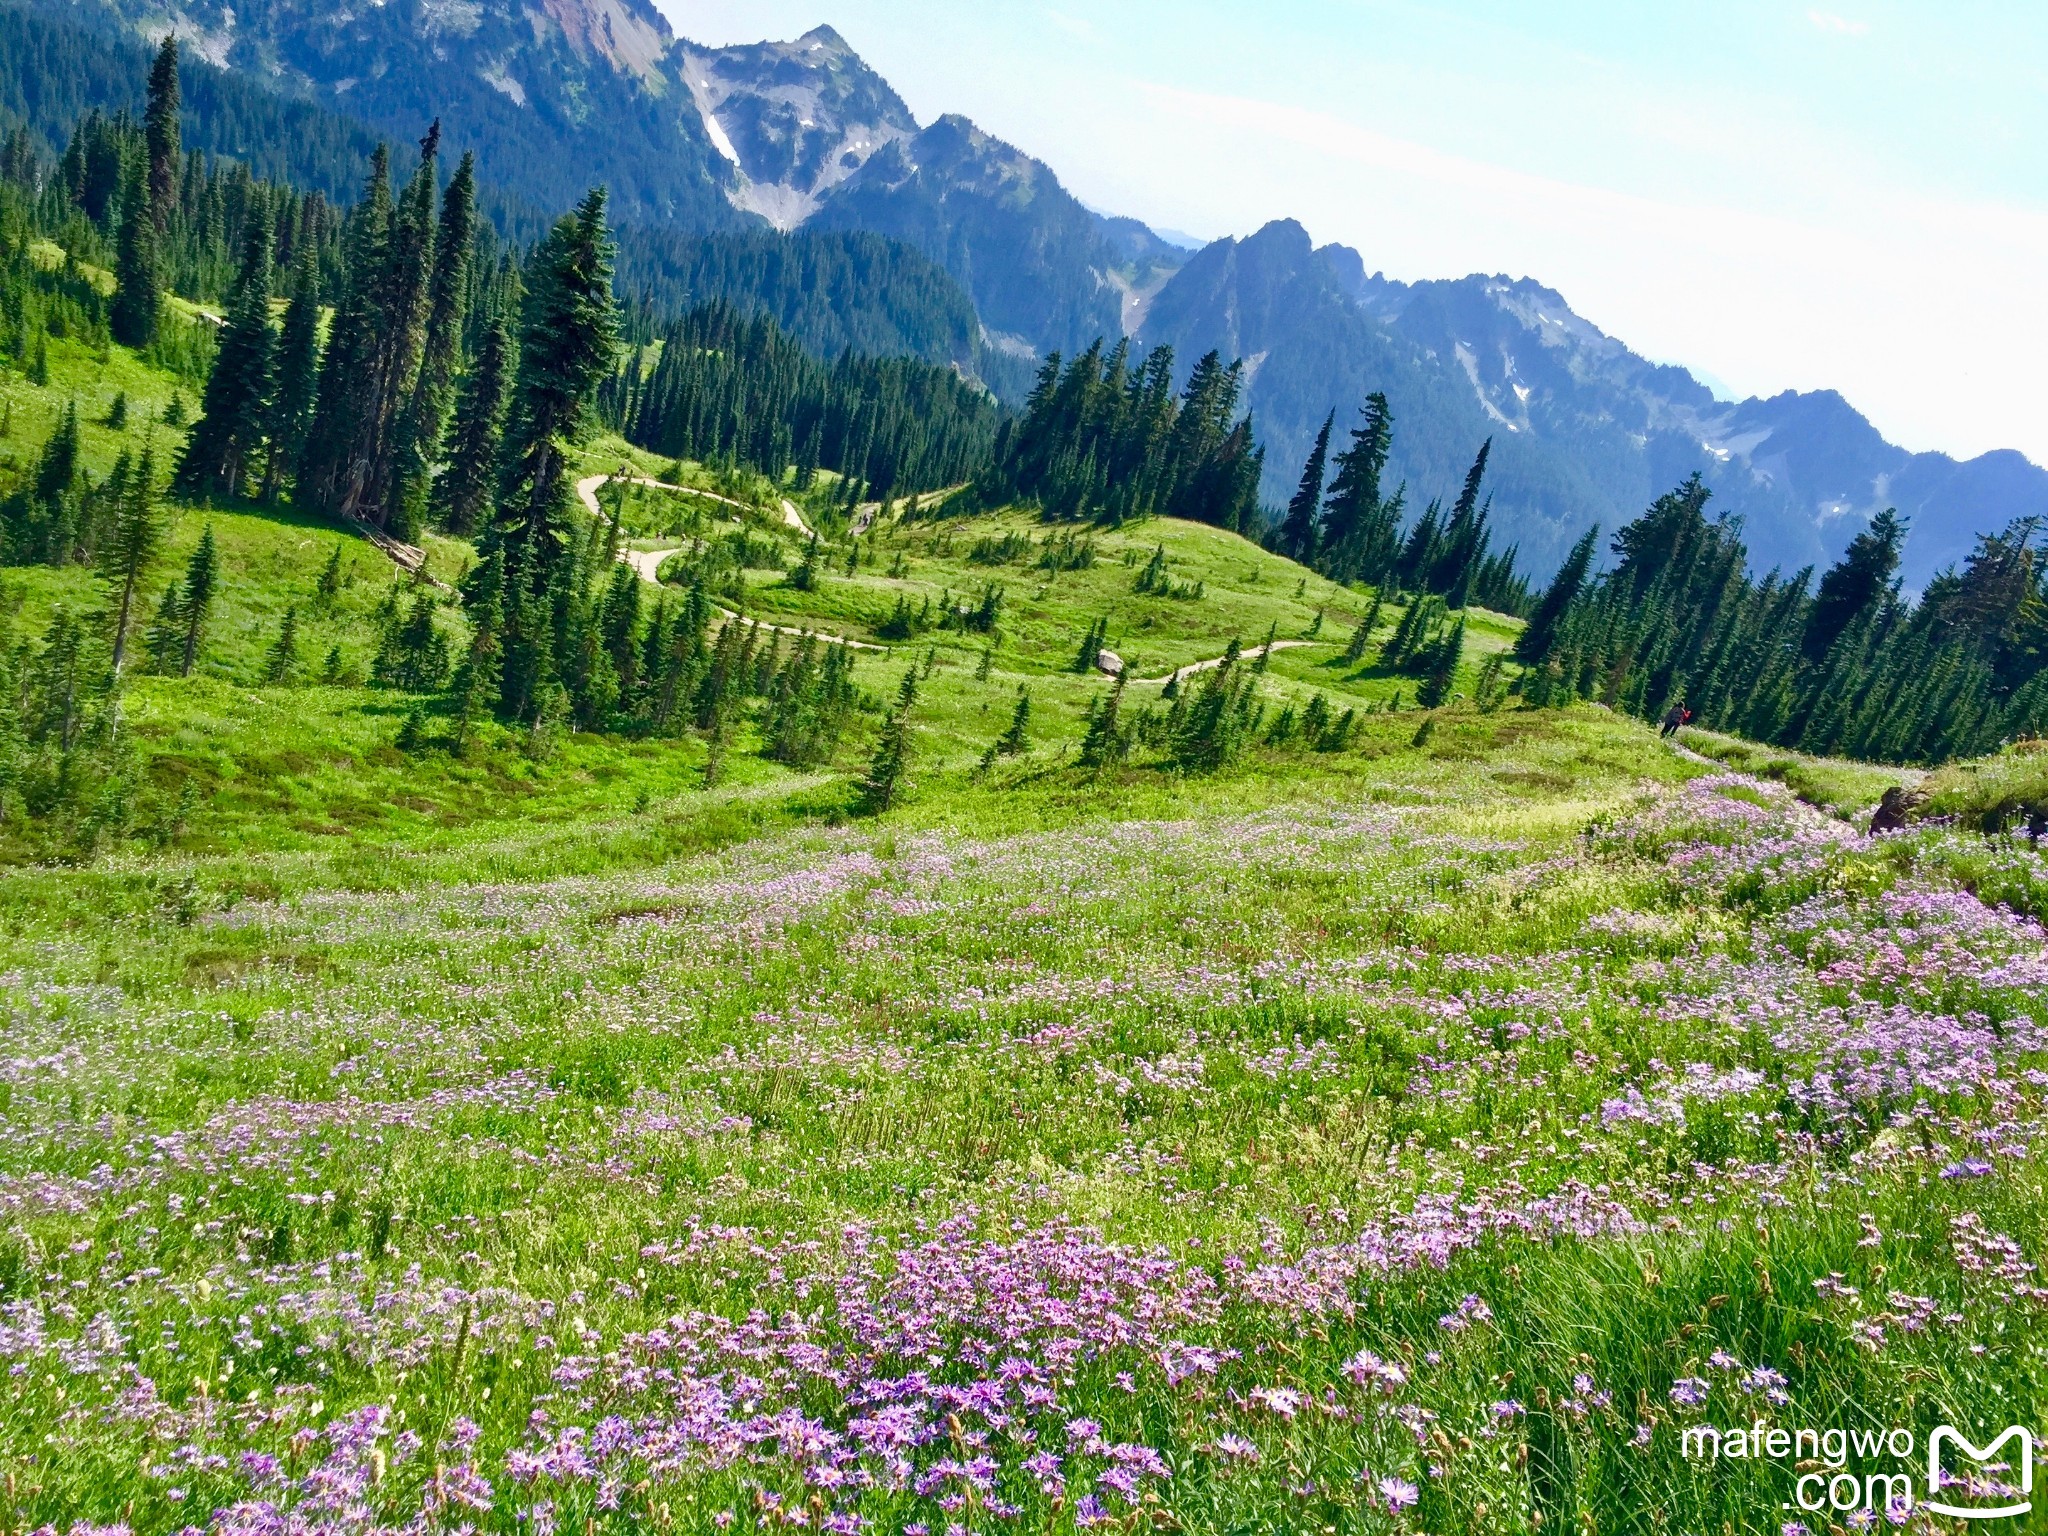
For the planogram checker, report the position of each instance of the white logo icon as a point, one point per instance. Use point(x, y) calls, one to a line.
point(1936, 1480)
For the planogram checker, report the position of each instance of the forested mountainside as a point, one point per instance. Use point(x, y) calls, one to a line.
point(549, 99)
point(805, 135)
point(551, 96)
point(990, 263)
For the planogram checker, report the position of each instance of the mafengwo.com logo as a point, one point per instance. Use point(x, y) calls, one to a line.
point(1842, 1473)
point(1948, 1450)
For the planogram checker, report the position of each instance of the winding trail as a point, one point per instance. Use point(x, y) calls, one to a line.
point(1252, 654)
point(646, 563)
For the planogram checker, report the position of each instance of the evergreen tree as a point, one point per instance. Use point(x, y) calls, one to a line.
point(137, 283)
point(1304, 514)
point(282, 660)
point(1361, 637)
point(461, 497)
point(569, 332)
point(330, 474)
point(882, 787)
point(1864, 575)
point(1443, 672)
point(1017, 739)
point(1092, 643)
point(224, 442)
point(165, 637)
point(161, 134)
point(1540, 634)
point(327, 586)
point(297, 377)
point(1104, 741)
point(136, 534)
point(42, 517)
point(1359, 525)
point(426, 412)
point(195, 602)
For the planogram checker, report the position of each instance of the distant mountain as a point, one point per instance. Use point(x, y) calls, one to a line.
point(710, 150)
point(555, 94)
point(794, 119)
point(1584, 430)
point(551, 94)
point(817, 138)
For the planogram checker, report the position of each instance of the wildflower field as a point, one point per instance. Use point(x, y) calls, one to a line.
point(1423, 1142)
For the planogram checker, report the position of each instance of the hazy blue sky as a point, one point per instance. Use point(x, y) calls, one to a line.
point(1780, 195)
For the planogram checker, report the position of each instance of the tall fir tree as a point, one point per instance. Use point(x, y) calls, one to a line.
point(1359, 529)
point(1298, 533)
point(138, 278)
point(195, 600)
point(1443, 670)
point(297, 377)
point(224, 442)
point(1540, 633)
point(426, 412)
point(569, 333)
point(462, 494)
point(329, 476)
point(161, 134)
point(1865, 575)
point(126, 560)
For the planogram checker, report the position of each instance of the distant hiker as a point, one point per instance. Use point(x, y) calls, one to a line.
point(1890, 815)
point(1674, 717)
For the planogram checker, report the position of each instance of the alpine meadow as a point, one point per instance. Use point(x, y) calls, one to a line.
point(702, 833)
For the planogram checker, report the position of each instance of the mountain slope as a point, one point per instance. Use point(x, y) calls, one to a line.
point(805, 135)
point(795, 119)
point(815, 137)
point(550, 94)
point(1584, 430)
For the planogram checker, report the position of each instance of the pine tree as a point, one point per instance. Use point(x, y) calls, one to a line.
point(137, 281)
point(1863, 576)
point(1104, 741)
point(883, 785)
point(137, 532)
point(223, 443)
point(165, 638)
point(1534, 644)
point(1304, 514)
point(426, 412)
point(282, 660)
point(1092, 643)
point(1358, 523)
point(568, 336)
point(195, 603)
point(399, 297)
point(327, 586)
point(1354, 649)
point(1443, 673)
point(161, 135)
point(297, 377)
point(1017, 739)
point(329, 475)
point(462, 493)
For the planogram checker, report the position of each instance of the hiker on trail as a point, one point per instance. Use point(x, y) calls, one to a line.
point(1674, 717)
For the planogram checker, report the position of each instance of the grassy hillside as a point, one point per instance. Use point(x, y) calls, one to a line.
point(1419, 1136)
point(1339, 1149)
point(229, 761)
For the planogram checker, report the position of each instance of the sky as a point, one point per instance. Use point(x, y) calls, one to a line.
point(1849, 195)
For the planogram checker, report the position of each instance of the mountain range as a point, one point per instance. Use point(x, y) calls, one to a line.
point(804, 140)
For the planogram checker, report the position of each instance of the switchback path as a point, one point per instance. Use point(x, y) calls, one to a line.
point(1253, 654)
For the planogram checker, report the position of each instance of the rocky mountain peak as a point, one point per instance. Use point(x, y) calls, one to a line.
point(795, 119)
